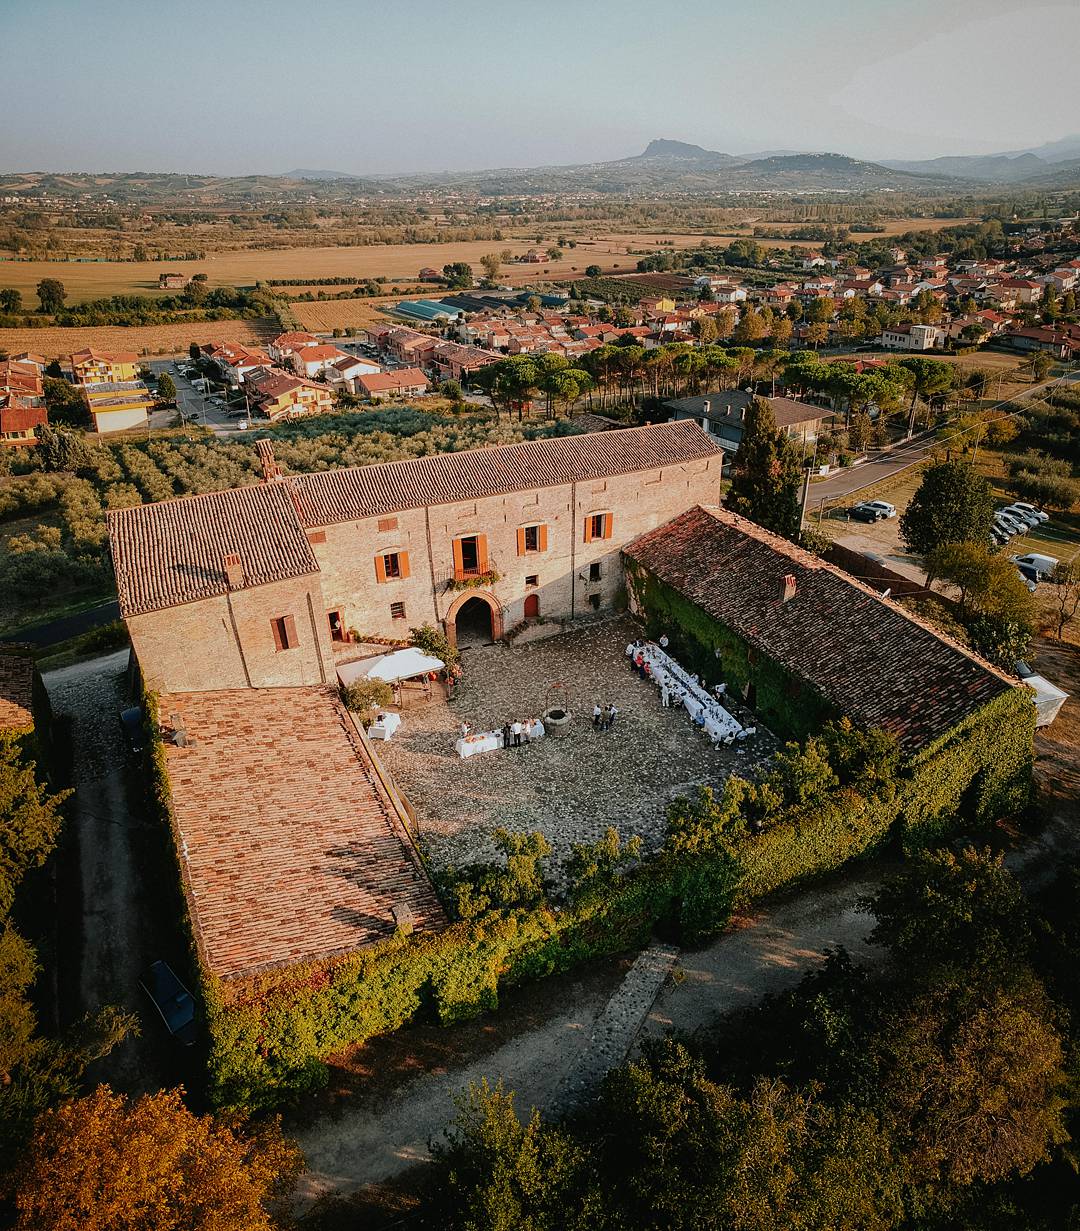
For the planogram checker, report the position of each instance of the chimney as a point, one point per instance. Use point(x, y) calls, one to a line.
point(706, 407)
point(788, 592)
point(742, 414)
point(234, 571)
point(270, 469)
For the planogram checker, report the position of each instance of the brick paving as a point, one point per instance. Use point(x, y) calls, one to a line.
point(571, 787)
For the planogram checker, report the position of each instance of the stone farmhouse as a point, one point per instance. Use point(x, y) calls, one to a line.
point(258, 587)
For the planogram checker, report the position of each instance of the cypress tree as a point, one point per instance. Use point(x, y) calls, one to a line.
point(765, 482)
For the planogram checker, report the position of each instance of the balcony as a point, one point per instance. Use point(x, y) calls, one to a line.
point(470, 578)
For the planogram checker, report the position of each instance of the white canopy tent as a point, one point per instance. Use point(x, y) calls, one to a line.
point(391, 668)
point(1048, 699)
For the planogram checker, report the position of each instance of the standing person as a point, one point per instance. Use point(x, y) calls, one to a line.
point(515, 730)
point(665, 696)
point(596, 714)
point(506, 734)
point(631, 650)
point(663, 641)
point(612, 711)
point(465, 729)
point(639, 663)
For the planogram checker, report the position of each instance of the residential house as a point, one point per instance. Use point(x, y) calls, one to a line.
point(312, 361)
point(379, 386)
point(117, 406)
point(22, 403)
point(93, 367)
point(172, 282)
point(429, 274)
point(1061, 341)
point(285, 344)
point(279, 395)
point(345, 372)
point(912, 337)
point(723, 416)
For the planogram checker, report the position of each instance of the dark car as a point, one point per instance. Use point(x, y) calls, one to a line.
point(131, 723)
point(863, 512)
point(172, 1000)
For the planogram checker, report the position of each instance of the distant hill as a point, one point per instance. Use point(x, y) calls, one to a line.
point(319, 175)
point(993, 168)
point(667, 151)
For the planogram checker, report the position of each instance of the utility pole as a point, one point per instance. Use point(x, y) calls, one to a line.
point(805, 493)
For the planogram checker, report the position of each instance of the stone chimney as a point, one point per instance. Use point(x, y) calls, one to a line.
point(788, 591)
point(234, 571)
point(270, 469)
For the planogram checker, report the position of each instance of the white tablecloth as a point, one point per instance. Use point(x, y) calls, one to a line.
point(486, 741)
point(385, 725)
point(691, 694)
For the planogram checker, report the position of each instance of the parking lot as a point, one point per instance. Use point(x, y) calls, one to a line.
point(211, 411)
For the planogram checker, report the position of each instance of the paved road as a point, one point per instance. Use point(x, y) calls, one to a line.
point(885, 462)
point(63, 627)
point(192, 404)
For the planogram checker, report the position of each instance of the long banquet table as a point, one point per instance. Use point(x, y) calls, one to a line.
point(691, 694)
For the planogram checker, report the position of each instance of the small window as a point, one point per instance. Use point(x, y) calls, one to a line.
point(337, 626)
point(397, 611)
point(533, 579)
point(470, 554)
point(387, 523)
point(391, 565)
point(594, 571)
point(532, 538)
point(284, 632)
point(597, 526)
point(594, 602)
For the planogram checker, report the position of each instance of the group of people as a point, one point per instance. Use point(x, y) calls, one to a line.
point(604, 719)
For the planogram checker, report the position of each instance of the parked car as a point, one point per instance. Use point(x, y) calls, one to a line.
point(242, 426)
point(1006, 528)
point(131, 723)
point(172, 1000)
point(1030, 508)
point(1029, 519)
point(1042, 565)
point(1012, 524)
point(863, 512)
point(883, 507)
point(1028, 573)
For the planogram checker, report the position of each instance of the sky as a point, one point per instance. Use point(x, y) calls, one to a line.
point(238, 87)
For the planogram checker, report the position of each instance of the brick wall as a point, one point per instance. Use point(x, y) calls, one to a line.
point(637, 503)
point(228, 641)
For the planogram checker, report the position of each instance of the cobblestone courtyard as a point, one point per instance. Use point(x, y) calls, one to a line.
point(571, 787)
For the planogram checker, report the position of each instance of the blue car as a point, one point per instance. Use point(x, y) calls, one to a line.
point(172, 1000)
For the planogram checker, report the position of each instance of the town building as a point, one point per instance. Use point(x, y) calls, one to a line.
point(312, 361)
point(252, 587)
point(119, 405)
point(172, 282)
point(913, 337)
point(279, 395)
point(94, 367)
point(723, 416)
point(379, 386)
point(22, 403)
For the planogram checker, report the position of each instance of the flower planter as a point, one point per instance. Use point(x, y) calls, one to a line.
point(556, 722)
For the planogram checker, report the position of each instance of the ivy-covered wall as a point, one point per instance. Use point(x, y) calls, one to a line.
point(788, 705)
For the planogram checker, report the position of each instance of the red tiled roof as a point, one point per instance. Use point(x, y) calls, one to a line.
point(291, 849)
point(173, 552)
point(383, 382)
point(865, 654)
point(18, 418)
point(16, 693)
point(443, 478)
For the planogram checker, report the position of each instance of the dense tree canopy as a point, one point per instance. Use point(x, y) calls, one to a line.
point(766, 474)
point(954, 503)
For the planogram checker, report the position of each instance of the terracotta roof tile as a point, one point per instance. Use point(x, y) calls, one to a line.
point(291, 850)
point(173, 552)
point(865, 654)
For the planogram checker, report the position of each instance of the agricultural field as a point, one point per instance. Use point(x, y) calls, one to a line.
point(144, 339)
point(615, 251)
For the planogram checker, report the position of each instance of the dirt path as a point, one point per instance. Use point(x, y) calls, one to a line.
point(117, 926)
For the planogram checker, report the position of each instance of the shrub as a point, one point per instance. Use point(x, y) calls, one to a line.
point(365, 697)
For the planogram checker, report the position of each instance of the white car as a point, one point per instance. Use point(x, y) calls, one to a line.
point(1030, 508)
point(1012, 524)
point(1021, 515)
point(882, 507)
point(242, 426)
point(1043, 566)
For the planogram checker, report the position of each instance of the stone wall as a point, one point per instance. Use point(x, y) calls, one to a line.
point(228, 641)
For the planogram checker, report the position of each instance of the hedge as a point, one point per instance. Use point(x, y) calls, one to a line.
point(268, 1035)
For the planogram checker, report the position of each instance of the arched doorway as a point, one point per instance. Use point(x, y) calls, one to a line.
point(474, 619)
point(532, 606)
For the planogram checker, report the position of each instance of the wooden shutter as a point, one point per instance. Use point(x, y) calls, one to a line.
point(588, 529)
point(380, 568)
point(403, 563)
point(541, 539)
point(277, 627)
point(459, 567)
point(607, 525)
point(521, 540)
point(291, 638)
point(481, 553)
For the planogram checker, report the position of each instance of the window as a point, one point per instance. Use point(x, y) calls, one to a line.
point(284, 631)
point(392, 566)
point(470, 556)
point(397, 611)
point(533, 579)
point(594, 602)
point(387, 523)
point(594, 571)
point(337, 625)
point(531, 539)
point(597, 526)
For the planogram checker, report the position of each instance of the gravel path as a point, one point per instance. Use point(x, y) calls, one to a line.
point(571, 787)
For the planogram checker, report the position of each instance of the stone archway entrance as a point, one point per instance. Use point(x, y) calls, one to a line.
point(474, 619)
